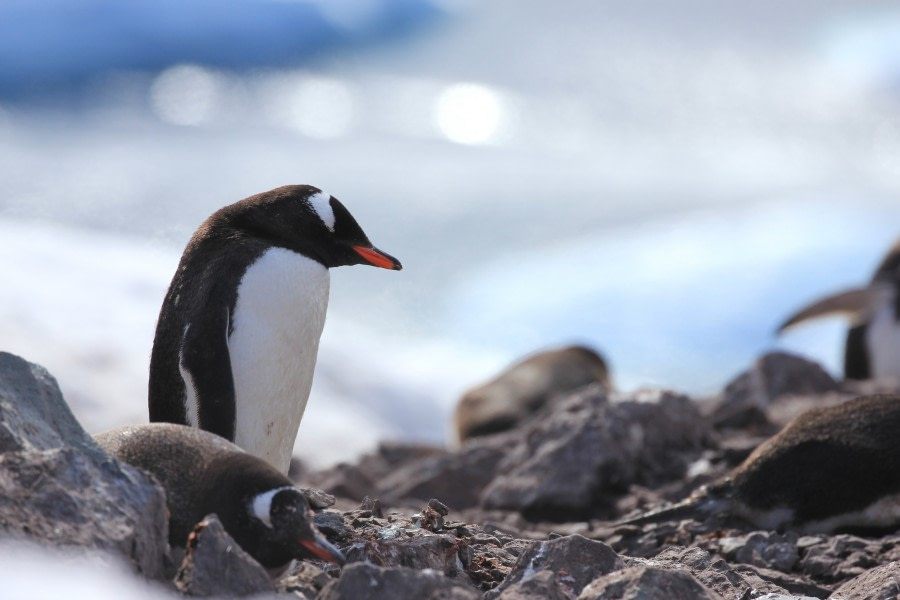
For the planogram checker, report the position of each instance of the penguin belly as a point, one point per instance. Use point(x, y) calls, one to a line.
point(278, 319)
point(883, 338)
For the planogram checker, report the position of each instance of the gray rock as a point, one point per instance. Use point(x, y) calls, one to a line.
point(763, 549)
point(574, 560)
point(216, 566)
point(577, 457)
point(713, 572)
point(842, 557)
point(58, 487)
point(305, 580)
point(647, 583)
point(63, 497)
point(364, 581)
point(317, 499)
point(457, 478)
point(421, 550)
point(33, 414)
point(542, 586)
point(748, 396)
point(880, 583)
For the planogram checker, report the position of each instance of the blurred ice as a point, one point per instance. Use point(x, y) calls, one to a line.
point(40, 573)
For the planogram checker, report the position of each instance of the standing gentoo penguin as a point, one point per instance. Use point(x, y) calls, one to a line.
point(873, 341)
point(239, 328)
point(203, 474)
point(828, 469)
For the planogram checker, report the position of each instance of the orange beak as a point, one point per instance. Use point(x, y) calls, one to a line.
point(376, 257)
point(322, 548)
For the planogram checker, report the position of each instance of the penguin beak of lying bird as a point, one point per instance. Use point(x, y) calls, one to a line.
point(376, 257)
point(321, 548)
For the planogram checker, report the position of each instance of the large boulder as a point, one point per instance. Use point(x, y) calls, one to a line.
point(58, 487)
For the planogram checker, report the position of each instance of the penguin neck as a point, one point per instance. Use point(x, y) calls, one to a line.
point(278, 319)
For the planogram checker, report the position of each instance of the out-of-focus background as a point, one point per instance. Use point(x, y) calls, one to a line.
point(663, 181)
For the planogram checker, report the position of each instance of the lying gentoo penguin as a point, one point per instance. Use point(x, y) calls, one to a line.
point(522, 388)
point(203, 474)
point(833, 468)
point(239, 328)
point(872, 349)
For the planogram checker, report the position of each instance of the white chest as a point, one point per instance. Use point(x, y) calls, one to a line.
point(277, 322)
point(883, 338)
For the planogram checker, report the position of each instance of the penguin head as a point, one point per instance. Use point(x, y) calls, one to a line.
point(287, 527)
point(307, 220)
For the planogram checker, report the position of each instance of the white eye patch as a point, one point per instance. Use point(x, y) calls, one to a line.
point(321, 203)
point(261, 506)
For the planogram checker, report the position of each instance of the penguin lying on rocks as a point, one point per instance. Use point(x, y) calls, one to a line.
point(202, 474)
point(830, 469)
point(238, 332)
point(524, 387)
point(872, 349)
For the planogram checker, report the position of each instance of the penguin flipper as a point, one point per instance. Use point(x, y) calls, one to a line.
point(857, 303)
point(205, 358)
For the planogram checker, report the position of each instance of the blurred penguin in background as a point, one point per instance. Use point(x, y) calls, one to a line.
point(872, 350)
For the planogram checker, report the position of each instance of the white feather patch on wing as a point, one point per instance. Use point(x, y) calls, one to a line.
point(191, 409)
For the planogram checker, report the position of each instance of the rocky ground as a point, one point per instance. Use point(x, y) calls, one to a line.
point(526, 513)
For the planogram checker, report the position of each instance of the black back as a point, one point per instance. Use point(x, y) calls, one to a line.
point(827, 461)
